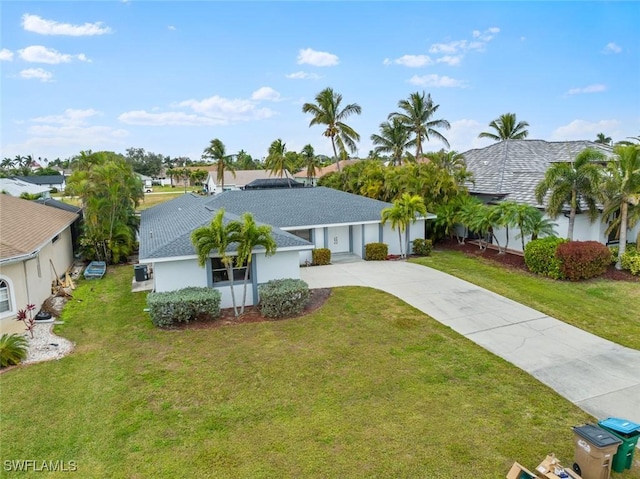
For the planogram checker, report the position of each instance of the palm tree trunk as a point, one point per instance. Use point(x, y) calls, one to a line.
point(400, 241)
point(233, 292)
point(624, 211)
point(335, 153)
point(244, 292)
point(572, 215)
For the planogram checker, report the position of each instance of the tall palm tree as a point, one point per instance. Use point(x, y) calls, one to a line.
point(216, 151)
point(252, 236)
point(570, 183)
point(506, 128)
point(327, 111)
point(621, 192)
point(311, 162)
point(603, 139)
point(276, 161)
point(217, 236)
point(404, 212)
point(416, 113)
point(453, 163)
point(394, 138)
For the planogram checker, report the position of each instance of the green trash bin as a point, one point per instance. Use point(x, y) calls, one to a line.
point(629, 433)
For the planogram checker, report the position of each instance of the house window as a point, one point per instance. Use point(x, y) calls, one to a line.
point(55, 238)
point(5, 303)
point(220, 274)
point(304, 234)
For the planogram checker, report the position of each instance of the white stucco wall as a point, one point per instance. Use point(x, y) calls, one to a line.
point(172, 275)
point(358, 247)
point(319, 237)
point(390, 237)
point(284, 264)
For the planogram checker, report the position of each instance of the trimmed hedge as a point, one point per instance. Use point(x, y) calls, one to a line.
point(583, 259)
point(321, 256)
point(376, 251)
point(283, 297)
point(540, 256)
point(183, 305)
point(422, 247)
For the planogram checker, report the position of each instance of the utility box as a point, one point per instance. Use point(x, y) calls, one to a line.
point(629, 433)
point(594, 451)
point(141, 272)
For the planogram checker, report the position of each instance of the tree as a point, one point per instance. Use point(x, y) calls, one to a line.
point(311, 162)
point(571, 183)
point(603, 139)
point(326, 111)
point(252, 236)
point(145, 163)
point(218, 236)
point(276, 161)
point(535, 224)
point(506, 128)
point(216, 151)
point(506, 214)
point(394, 139)
point(453, 163)
point(244, 161)
point(621, 193)
point(198, 176)
point(109, 192)
point(404, 212)
point(416, 114)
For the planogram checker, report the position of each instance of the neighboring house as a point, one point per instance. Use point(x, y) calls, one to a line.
point(35, 244)
point(272, 183)
point(14, 187)
point(302, 177)
point(76, 226)
point(302, 219)
point(510, 170)
point(47, 181)
point(147, 181)
point(238, 181)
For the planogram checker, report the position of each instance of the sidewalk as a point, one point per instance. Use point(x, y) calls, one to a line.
point(597, 375)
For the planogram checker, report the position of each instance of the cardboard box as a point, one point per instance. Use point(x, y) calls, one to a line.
point(550, 465)
point(519, 472)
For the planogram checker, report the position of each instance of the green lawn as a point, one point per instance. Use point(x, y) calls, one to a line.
point(605, 308)
point(364, 387)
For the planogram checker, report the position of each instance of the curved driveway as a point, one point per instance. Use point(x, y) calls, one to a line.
point(597, 375)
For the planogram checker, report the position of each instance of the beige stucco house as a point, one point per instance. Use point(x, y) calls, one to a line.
point(35, 243)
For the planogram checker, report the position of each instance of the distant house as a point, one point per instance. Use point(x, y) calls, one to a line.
point(237, 181)
point(15, 187)
point(511, 170)
point(272, 183)
point(48, 181)
point(303, 177)
point(35, 244)
point(302, 219)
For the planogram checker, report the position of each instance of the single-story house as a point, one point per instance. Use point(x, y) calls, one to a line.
point(48, 181)
point(302, 175)
point(15, 187)
point(236, 181)
point(302, 219)
point(35, 244)
point(510, 170)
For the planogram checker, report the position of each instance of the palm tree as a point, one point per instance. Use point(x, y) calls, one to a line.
point(311, 162)
point(326, 111)
point(506, 213)
point(416, 114)
point(216, 151)
point(276, 161)
point(453, 163)
point(252, 236)
point(217, 236)
point(394, 138)
point(401, 214)
point(570, 183)
point(535, 224)
point(506, 128)
point(621, 192)
point(603, 139)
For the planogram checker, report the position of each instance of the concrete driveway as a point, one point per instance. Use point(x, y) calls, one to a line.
point(597, 375)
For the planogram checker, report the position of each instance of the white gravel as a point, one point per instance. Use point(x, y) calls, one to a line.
point(46, 346)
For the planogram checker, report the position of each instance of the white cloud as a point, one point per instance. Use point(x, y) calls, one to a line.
point(437, 81)
point(302, 75)
point(451, 47)
point(174, 118)
point(316, 58)
point(171, 27)
point(411, 61)
point(40, 54)
point(6, 55)
point(588, 89)
point(70, 117)
point(36, 24)
point(227, 110)
point(450, 60)
point(37, 73)
point(265, 93)
point(612, 48)
point(487, 35)
point(585, 130)
point(463, 135)
point(454, 50)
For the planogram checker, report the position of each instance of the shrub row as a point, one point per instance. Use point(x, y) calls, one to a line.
point(376, 251)
point(540, 256)
point(283, 297)
point(183, 305)
point(422, 247)
point(583, 259)
point(321, 256)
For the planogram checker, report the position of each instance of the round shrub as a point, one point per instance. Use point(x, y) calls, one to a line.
point(583, 259)
point(376, 251)
point(13, 349)
point(321, 256)
point(422, 247)
point(540, 256)
point(283, 297)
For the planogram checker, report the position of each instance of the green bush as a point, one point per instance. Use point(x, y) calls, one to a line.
point(283, 297)
point(583, 259)
point(13, 349)
point(183, 305)
point(376, 251)
point(540, 256)
point(631, 259)
point(422, 247)
point(321, 256)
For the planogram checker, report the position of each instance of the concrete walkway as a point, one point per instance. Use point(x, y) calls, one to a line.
point(597, 375)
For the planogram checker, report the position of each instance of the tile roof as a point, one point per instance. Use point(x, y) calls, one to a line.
point(25, 226)
point(243, 177)
point(515, 167)
point(42, 180)
point(17, 187)
point(165, 229)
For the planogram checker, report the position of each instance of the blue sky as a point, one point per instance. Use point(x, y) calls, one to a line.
point(171, 76)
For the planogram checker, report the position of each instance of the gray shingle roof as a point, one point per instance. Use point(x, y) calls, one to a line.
point(165, 229)
point(42, 180)
point(515, 167)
